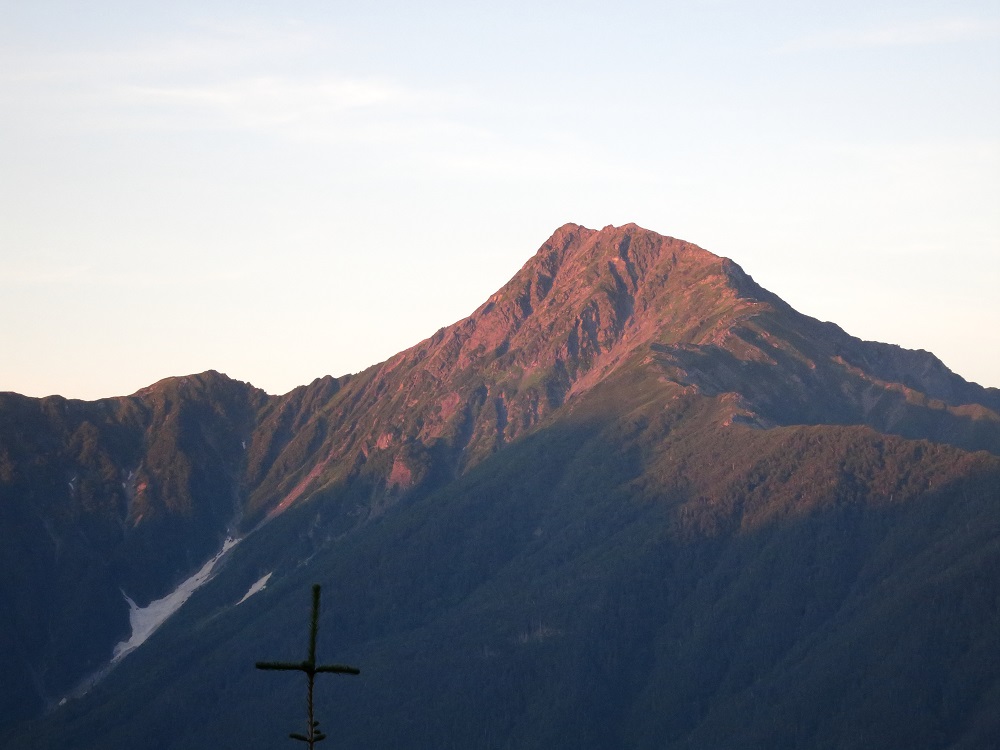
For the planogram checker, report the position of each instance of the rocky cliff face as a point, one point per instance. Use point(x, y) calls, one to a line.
point(588, 304)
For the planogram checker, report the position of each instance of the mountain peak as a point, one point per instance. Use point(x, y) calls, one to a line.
point(596, 289)
point(577, 244)
point(589, 308)
point(586, 303)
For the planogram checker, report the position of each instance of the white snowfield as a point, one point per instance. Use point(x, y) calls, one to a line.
point(259, 586)
point(145, 620)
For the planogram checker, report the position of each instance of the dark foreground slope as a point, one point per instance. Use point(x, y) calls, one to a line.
point(647, 581)
point(633, 501)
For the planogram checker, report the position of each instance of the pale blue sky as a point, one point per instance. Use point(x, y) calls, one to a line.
point(285, 190)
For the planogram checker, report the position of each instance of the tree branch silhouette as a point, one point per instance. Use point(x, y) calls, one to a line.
point(311, 669)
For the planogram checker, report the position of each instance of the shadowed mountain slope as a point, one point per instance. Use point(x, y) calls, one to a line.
point(627, 497)
point(586, 305)
point(126, 494)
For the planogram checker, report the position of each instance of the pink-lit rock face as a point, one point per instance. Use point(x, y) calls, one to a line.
point(588, 306)
point(586, 303)
point(401, 476)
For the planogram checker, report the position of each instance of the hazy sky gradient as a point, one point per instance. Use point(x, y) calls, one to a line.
point(284, 191)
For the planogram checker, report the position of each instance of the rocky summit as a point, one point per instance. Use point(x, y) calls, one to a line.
point(633, 500)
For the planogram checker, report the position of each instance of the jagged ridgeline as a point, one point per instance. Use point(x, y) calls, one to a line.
point(633, 500)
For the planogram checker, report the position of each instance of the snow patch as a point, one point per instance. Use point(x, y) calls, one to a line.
point(259, 586)
point(145, 620)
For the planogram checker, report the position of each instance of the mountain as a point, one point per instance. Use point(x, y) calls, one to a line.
point(633, 500)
